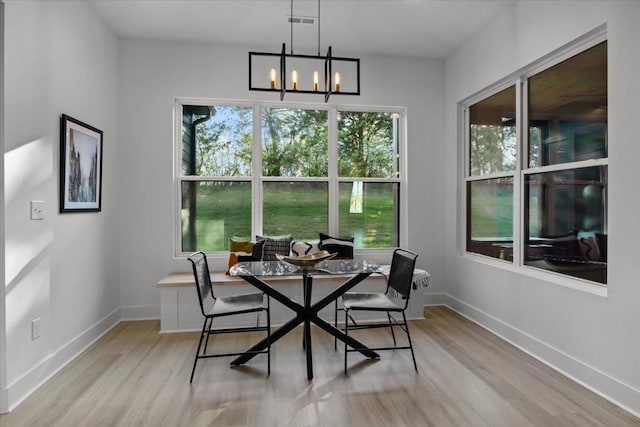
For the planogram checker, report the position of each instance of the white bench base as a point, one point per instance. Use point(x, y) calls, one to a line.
point(180, 310)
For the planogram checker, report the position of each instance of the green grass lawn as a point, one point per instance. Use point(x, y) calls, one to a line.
point(223, 210)
point(491, 210)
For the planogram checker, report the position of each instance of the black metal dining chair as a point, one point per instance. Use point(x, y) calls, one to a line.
point(214, 307)
point(395, 299)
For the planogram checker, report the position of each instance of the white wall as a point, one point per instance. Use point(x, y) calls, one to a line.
point(592, 338)
point(153, 74)
point(3, 330)
point(58, 59)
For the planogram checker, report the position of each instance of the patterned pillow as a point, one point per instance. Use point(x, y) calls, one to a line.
point(342, 246)
point(589, 248)
point(274, 245)
point(299, 248)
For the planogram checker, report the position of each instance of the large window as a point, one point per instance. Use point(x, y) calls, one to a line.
point(536, 187)
point(274, 170)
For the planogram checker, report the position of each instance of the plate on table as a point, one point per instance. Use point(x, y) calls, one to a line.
point(307, 261)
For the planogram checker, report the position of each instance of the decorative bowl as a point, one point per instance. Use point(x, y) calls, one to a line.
point(306, 261)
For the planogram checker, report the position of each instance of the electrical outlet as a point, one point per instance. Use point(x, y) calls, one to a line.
point(35, 329)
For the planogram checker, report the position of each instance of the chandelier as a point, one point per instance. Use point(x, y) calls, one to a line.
point(310, 74)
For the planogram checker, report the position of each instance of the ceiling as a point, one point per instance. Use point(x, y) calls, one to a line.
point(414, 28)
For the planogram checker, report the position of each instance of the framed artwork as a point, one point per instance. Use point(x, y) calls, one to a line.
point(80, 166)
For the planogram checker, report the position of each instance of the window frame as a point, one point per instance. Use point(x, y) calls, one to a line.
point(520, 80)
point(257, 179)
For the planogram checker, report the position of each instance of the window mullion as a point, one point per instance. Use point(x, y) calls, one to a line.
point(518, 180)
point(256, 173)
point(177, 168)
point(333, 172)
point(464, 171)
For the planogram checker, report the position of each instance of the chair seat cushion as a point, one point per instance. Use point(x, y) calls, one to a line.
point(369, 301)
point(234, 304)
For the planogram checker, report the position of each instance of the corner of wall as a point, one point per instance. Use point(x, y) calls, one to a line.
point(3, 320)
point(31, 380)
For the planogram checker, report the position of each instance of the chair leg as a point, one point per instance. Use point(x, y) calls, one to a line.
point(406, 325)
point(206, 341)
point(195, 361)
point(391, 327)
point(346, 332)
point(335, 325)
point(268, 337)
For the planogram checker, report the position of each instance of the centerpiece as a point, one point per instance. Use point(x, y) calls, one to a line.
point(306, 262)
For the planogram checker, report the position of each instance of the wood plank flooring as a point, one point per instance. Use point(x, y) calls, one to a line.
point(134, 376)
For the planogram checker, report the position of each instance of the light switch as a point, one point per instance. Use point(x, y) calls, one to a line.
point(37, 209)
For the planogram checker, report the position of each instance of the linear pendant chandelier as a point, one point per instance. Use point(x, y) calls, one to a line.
point(339, 73)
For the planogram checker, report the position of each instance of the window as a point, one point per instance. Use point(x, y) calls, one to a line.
point(215, 184)
point(368, 169)
point(273, 170)
point(295, 166)
point(547, 184)
point(492, 166)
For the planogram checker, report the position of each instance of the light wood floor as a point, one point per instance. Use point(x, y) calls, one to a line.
point(134, 376)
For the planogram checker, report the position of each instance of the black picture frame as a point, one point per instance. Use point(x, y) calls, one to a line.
point(80, 166)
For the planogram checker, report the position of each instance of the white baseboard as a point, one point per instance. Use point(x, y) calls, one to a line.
point(610, 388)
point(31, 380)
point(4, 400)
point(140, 312)
point(434, 299)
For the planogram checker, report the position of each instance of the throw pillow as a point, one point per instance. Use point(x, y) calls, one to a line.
point(236, 245)
point(233, 260)
point(589, 248)
point(601, 241)
point(342, 246)
point(274, 245)
point(299, 248)
point(236, 257)
point(247, 258)
point(258, 248)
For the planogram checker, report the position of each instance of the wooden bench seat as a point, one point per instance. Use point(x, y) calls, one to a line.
point(219, 278)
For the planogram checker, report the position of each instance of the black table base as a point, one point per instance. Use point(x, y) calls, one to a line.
point(306, 314)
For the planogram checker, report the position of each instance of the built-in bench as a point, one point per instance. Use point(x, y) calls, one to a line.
point(217, 278)
point(180, 310)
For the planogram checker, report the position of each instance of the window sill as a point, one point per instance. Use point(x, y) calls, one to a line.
point(539, 274)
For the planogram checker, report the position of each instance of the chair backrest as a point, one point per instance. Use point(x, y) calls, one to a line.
point(203, 281)
point(401, 272)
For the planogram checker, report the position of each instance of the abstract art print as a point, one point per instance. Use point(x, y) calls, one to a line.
point(80, 166)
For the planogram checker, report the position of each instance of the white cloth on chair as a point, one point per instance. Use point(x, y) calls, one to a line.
point(421, 278)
